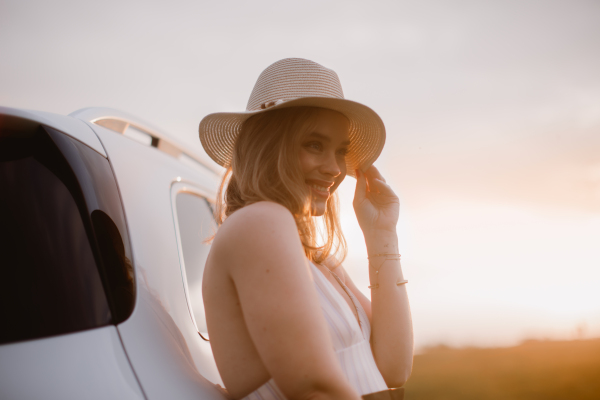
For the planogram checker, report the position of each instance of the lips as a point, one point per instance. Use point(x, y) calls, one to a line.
point(319, 188)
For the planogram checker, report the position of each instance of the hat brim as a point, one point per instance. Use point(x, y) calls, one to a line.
point(219, 131)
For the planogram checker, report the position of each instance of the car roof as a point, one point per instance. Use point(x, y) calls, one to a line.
point(122, 122)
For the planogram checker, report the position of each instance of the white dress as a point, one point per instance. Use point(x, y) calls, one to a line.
point(350, 342)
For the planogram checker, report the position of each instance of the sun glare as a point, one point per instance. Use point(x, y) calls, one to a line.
point(489, 274)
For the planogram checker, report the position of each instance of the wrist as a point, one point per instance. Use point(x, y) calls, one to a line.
point(382, 242)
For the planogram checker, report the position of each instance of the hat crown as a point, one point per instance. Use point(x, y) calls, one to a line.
point(293, 78)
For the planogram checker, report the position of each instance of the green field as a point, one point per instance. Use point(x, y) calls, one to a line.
point(544, 370)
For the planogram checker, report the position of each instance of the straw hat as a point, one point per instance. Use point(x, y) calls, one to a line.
point(294, 82)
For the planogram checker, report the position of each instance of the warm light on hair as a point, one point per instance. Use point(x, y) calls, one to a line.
point(265, 167)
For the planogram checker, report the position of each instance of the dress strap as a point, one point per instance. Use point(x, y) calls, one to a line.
point(350, 295)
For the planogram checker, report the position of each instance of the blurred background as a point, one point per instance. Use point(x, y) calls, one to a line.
point(492, 110)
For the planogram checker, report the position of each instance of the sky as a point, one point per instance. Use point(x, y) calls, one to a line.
point(492, 112)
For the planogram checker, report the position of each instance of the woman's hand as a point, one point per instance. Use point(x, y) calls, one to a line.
point(376, 205)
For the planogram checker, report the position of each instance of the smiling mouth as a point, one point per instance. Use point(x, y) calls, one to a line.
point(319, 188)
point(321, 191)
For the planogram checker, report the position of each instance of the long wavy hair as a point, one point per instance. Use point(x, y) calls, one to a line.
point(265, 167)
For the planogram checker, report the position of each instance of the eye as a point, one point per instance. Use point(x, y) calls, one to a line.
point(343, 151)
point(314, 146)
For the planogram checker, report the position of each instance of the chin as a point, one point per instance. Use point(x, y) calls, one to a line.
point(318, 209)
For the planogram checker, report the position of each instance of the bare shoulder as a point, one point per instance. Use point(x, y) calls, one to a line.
point(256, 219)
point(259, 229)
point(264, 212)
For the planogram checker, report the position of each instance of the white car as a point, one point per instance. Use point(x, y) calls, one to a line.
point(103, 221)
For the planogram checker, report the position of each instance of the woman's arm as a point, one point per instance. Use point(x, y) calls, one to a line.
point(377, 210)
point(265, 260)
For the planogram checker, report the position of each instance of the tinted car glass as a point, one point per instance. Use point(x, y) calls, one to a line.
point(64, 250)
point(196, 224)
point(109, 237)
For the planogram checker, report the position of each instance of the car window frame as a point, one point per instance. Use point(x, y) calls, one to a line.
point(178, 187)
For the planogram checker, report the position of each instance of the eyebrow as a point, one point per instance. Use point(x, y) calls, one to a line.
point(327, 139)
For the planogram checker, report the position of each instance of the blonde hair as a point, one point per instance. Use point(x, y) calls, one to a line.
point(265, 167)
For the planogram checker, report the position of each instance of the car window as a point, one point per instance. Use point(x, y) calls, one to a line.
point(65, 255)
point(196, 224)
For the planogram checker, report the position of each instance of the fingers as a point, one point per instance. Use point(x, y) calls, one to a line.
point(371, 183)
point(361, 186)
point(373, 173)
point(381, 187)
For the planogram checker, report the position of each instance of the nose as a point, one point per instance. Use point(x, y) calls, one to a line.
point(330, 165)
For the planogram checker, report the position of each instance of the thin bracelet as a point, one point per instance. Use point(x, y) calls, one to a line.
point(376, 285)
point(384, 254)
point(400, 283)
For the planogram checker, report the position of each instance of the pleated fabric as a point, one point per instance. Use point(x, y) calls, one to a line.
point(350, 342)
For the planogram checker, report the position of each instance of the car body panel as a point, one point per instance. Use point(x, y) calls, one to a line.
point(84, 365)
point(180, 356)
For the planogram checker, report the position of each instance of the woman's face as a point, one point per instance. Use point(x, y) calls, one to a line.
point(323, 157)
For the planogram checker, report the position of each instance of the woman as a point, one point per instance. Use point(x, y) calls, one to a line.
point(284, 318)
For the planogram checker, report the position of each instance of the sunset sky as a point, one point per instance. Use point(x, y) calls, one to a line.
point(492, 112)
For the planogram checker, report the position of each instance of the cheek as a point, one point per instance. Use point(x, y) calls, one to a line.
point(341, 162)
point(307, 162)
point(339, 179)
point(343, 168)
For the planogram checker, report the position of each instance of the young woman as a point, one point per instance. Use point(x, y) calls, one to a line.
point(284, 318)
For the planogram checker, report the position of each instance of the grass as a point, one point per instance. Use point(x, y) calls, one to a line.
point(544, 370)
